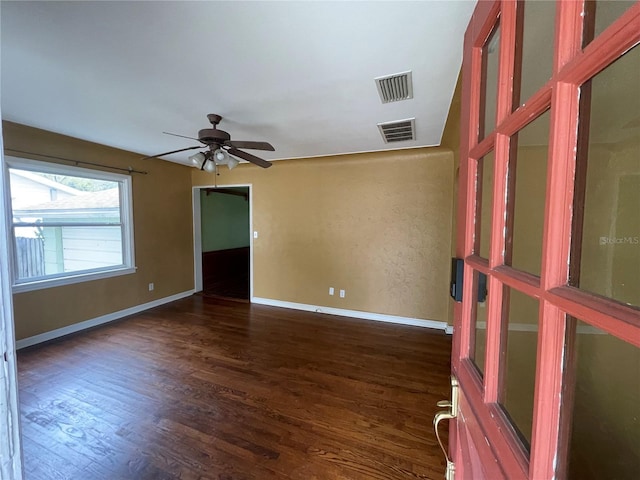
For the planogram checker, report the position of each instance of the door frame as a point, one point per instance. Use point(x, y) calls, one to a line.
point(10, 430)
point(482, 424)
point(197, 234)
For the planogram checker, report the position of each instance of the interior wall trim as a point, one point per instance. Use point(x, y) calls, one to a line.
point(94, 322)
point(378, 317)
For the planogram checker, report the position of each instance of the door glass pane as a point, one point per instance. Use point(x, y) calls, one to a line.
point(527, 185)
point(481, 291)
point(600, 14)
point(484, 204)
point(537, 47)
point(489, 89)
point(605, 431)
point(520, 368)
point(609, 260)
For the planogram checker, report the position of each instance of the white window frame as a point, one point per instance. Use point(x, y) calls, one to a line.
point(126, 219)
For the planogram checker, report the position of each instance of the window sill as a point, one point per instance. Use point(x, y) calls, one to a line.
point(61, 281)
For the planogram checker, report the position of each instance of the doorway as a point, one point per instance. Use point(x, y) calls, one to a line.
point(222, 244)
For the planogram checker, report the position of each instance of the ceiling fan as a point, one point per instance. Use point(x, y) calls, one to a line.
point(219, 148)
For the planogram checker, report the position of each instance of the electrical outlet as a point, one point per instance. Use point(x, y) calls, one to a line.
point(342, 293)
point(331, 291)
point(151, 287)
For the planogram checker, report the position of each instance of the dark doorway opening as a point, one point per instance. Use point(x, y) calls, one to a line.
point(225, 242)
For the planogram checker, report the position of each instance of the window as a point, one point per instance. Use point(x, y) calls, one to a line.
point(69, 224)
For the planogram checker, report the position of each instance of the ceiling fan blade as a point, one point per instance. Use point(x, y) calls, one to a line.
point(182, 136)
point(172, 151)
point(250, 145)
point(249, 158)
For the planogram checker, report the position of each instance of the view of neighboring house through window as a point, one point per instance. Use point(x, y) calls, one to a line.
point(69, 223)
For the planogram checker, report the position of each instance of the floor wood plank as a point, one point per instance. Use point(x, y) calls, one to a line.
point(211, 389)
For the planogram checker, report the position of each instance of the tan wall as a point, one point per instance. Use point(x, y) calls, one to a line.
point(377, 225)
point(163, 237)
point(451, 133)
point(451, 140)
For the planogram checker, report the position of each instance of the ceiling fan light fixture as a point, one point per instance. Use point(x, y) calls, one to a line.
point(232, 163)
point(210, 167)
point(197, 159)
point(221, 157)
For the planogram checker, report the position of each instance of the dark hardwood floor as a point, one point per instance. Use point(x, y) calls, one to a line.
point(207, 389)
point(225, 273)
point(235, 287)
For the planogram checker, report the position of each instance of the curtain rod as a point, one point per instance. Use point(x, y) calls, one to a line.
point(78, 162)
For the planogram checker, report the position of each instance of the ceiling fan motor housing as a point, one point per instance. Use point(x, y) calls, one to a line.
point(211, 136)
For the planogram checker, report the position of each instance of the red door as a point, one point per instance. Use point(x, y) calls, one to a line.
point(548, 364)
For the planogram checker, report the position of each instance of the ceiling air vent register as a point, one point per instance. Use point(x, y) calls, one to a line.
point(398, 131)
point(396, 87)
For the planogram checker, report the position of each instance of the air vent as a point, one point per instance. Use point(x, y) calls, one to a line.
point(396, 87)
point(398, 131)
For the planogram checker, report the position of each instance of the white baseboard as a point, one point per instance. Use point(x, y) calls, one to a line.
point(378, 317)
point(449, 330)
point(94, 322)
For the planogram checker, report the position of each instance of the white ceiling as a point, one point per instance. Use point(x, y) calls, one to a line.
point(299, 75)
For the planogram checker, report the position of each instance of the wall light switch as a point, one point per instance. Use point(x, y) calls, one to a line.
point(255, 234)
point(342, 293)
point(331, 290)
